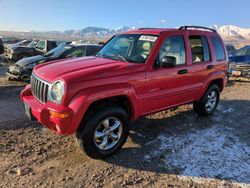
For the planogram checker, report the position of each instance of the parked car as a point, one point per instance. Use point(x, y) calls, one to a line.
point(134, 74)
point(230, 49)
point(19, 52)
point(1, 46)
point(8, 47)
point(9, 40)
point(23, 68)
point(239, 65)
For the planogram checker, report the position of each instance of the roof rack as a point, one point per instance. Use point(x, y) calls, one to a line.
point(148, 28)
point(197, 27)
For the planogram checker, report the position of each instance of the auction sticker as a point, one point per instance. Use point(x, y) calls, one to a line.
point(148, 38)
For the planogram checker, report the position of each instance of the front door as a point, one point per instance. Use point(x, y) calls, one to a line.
point(167, 87)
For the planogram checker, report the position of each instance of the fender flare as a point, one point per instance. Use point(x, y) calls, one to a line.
point(83, 99)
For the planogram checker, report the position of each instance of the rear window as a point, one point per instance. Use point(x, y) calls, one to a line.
point(218, 48)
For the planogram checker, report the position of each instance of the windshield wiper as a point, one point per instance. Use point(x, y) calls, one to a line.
point(99, 55)
point(114, 57)
point(121, 57)
point(118, 57)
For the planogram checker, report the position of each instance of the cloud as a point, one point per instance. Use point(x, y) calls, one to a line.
point(162, 21)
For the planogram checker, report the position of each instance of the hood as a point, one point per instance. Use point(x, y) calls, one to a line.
point(85, 68)
point(13, 46)
point(240, 59)
point(29, 60)
point(20, 47)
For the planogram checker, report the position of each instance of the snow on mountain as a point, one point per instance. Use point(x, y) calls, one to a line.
point(231, 31)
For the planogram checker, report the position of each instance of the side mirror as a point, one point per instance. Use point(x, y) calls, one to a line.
point(168, 61)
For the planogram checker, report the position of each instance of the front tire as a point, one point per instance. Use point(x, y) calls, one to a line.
point(104, 132)
point(209, 101)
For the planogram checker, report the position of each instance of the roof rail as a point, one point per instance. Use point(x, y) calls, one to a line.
point(197, 27)
point(147, 28)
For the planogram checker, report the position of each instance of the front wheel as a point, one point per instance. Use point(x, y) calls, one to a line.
point(105, 132)
point(209, 101)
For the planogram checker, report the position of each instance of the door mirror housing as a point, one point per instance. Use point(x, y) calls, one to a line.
point(168, 61)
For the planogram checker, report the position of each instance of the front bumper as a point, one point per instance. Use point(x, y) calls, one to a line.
point(239, 70)
point(19, 73)
point(11, 57)
point(41, 112)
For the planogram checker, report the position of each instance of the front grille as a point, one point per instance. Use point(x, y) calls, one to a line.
point(39, 88)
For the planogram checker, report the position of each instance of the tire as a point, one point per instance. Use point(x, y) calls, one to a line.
point(209, 101)
point(98, 131)
point(10, 78)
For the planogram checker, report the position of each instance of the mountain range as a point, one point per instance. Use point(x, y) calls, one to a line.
point(231, 32)
point(228, 32)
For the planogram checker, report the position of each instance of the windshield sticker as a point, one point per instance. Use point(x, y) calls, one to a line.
point(148, 38)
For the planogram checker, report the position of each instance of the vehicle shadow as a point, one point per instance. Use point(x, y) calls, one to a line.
point(12, 115)
point(232, 81)
point(179, 142)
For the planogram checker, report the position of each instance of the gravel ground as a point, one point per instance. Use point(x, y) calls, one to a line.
point(174, 148)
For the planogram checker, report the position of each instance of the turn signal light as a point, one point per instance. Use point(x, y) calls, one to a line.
point(58, 115)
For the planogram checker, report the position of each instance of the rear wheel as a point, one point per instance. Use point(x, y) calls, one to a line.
point(208, 103)
point(105, 132)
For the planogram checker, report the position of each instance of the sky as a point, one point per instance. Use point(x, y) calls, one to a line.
point(60, 15)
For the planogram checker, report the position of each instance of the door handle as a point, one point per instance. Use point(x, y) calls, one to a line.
point(183, 71)
point(210, 66)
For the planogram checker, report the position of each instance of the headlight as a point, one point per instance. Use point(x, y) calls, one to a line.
point(57, 91)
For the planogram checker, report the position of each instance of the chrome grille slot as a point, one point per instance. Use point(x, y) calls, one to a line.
point(39, 89)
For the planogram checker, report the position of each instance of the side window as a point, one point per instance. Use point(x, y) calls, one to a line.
point(41, 45)
point(91, 50)
point(218, 48)
point(199, 48)
point(173, 46)
point(76, 52)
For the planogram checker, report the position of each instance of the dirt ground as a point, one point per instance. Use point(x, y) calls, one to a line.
point(174, 148)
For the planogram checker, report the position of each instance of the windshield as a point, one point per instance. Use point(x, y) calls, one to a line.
point(243, 51)
point(32, 44)
point(128, 47)
point(56, 52)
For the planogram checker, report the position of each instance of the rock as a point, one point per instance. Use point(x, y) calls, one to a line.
point(12, 172)
point(23, 171)
point(69, 178)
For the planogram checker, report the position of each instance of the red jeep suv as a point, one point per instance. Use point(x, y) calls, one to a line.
point(134, 74)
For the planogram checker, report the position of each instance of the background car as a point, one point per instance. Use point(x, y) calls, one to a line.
point(15, 53)
point(230, 49)
point(1, 46)
point(22, 69)
point(240, 63)
point(9, 40)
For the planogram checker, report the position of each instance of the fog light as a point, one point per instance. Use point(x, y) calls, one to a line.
point(58, 115)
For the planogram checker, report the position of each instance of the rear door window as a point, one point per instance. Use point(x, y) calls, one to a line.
point(218, 48)
point(199, 48)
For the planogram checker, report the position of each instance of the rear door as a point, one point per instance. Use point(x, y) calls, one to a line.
point(167, 87)
point(202, 64)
